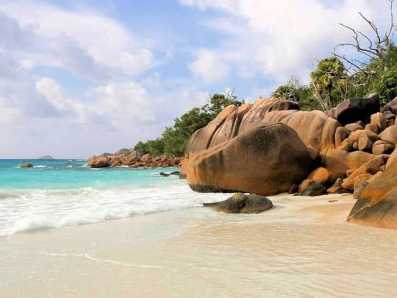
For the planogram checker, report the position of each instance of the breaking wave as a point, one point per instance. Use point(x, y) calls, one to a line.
point(31, 210)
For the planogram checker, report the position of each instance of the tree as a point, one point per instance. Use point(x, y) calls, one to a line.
point(368, 48)
point(289, 91)
point(176, 137)
point(218, 102)
point(154, 147)
point(302, 94)
point(386, 87)
point(329, 82)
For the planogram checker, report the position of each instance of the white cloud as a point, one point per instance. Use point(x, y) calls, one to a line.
point(85, 42)
point(38, 110)
point(54, 94)
point(124, 103)
point(209, 66)
point(205, 4)
point(7, 112)
point(284, 38)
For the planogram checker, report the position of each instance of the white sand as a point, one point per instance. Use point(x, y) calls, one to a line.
point(301, 248)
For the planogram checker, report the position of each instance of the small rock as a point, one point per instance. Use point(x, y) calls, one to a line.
point(389, 134)
point(176, 173)
point(341, 134)
point(242, 203)
point(314, 189)
point(364, 143)
point(382, 147)
point(353, 127)
point(26, 165)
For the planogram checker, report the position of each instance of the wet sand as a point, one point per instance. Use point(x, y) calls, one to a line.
point(301, 248)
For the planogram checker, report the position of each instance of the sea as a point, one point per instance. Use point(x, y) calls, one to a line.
point(57, 193)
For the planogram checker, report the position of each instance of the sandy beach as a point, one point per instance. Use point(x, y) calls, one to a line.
point(301, 246)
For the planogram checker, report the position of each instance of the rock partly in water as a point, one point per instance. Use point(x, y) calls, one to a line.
point(242, 203)
point(132, 159)
point(174, 173)
point(99, 162)
point(26, 165)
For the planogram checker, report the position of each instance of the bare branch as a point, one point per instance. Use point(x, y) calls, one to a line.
point(357, 33)
point(350, 62)
point(372, 25)
point(391, 29)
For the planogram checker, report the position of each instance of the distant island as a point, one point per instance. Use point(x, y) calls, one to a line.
point(47, 157)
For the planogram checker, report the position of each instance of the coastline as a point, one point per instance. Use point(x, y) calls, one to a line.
point(301, 244)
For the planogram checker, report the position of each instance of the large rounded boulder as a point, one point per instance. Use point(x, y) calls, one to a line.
point(227, 124)
point(266, 160)
point(314, 128)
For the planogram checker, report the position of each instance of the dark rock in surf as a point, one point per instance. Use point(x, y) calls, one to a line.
point(242, 203)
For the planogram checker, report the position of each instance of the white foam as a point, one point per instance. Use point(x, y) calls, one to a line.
point(46, 209)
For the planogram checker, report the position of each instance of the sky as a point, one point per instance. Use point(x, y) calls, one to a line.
point(81, 77)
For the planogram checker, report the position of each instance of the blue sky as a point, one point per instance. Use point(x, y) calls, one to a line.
point(84, 77)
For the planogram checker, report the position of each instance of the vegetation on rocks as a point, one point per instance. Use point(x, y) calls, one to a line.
point(174, 139)
point(370, 68)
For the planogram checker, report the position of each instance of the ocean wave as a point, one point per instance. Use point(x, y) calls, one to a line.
point(40, 166)
point(32, 210)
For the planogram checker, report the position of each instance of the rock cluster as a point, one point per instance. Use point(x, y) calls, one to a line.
point(132, 159)
point(270, 147)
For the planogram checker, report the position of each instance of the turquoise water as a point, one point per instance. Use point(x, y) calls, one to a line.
point(69, 174)
point(57, 193)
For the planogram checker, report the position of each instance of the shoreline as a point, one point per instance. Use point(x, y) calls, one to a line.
point(284, 251)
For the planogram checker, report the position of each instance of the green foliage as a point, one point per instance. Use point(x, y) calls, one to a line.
point(295, 92)
point(174, 139)
point(378, 76)
point(386, 86)
point(287, 92)
point(154, 147)
point(218, 102)
point(329, 82)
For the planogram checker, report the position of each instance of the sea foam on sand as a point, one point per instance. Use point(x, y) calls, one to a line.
point(31, 210)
